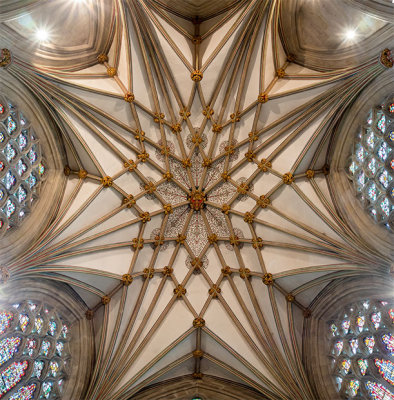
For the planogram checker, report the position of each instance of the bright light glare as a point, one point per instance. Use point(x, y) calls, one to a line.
point(350, 34)
point(42, 34)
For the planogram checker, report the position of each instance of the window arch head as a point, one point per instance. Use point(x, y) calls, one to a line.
point(22, 168)
point(348, 343)
point(361, 350)
point(371, 164)
point(46, 343)
point(34, 351)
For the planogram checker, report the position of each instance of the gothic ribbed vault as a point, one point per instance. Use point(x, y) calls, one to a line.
point(198, 222)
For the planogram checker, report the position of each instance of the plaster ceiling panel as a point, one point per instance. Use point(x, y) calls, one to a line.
point(316, 33)
point(76, 34)
point(224, 355)
point(382, 9)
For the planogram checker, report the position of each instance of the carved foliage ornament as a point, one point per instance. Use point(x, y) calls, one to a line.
point(5, 59)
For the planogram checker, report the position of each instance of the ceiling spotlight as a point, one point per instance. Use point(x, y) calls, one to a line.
point(42, 34)
point(350, 34)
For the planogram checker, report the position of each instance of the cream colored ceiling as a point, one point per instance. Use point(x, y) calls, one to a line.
point(252, 332)
point(316, 32)
point(78, 31)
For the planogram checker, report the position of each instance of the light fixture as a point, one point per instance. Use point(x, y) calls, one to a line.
point(42, 34)
point(350, 34)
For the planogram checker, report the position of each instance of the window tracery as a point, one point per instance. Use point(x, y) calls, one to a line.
point(361, 351)
point(34, 352)
point(22, 168)
point(371, 165)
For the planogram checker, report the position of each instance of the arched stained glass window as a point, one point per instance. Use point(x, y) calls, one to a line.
point(361, 347)
point(371, 165)
point(22, 168)
point(34, 352)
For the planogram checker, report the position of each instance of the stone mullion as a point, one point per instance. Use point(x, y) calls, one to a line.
point(122, 364)
point(294, 378)
point(246, 364)
point(231, 31)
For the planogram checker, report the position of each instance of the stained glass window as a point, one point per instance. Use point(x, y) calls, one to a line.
point(362, 350)
point(22, 169)
point(34, 355)
point(371, 165)
point(379, 392)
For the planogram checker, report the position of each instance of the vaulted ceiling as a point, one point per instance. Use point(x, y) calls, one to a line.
point(197, 221)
